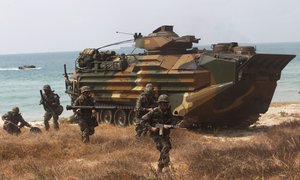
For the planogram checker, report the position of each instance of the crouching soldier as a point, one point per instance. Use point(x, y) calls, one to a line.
point(51, 103)
point(86, 120)
point(159, 121)
point(145, 103)
point(13, 121)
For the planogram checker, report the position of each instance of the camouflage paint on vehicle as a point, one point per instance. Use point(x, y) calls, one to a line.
point(229, 84)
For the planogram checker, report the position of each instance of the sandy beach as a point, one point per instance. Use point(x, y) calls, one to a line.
point(278, 112)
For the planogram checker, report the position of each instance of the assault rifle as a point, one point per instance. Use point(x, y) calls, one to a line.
point(9, 122)
point(66, 76)
point(35, 130)
point(68, 107)
point(43, 102)
point(161, 127)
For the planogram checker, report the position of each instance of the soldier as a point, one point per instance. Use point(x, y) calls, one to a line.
point(11, 121)
point(85, 117)
point(51, 103)
point(145, 103)
point(160, 117)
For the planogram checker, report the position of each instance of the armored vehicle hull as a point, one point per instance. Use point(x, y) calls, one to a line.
point(228, 85)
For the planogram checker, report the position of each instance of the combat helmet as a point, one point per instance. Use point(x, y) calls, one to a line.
point(35, 130)
point(163, 98)
point(85, 89)
point(47, 87)
point(148, 89)
point(15, 110)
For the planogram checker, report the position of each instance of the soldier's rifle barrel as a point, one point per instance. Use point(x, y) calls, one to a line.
point(14, 123)
point(32, 129)
point(66, 75)
point(68, 107)
point(65, 71)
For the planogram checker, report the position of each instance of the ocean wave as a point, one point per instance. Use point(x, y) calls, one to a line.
point(9, 69)
point(17, 69)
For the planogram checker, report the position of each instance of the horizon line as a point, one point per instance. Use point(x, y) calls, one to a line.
point(65, 51)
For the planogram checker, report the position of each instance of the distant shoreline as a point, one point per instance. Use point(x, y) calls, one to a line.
point(284, 103)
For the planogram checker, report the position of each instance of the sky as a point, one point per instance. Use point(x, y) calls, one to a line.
point(30, 26)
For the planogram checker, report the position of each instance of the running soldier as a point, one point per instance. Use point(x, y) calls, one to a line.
point(12, 119)
point(145, 103)
point(86, 120)
point(51, 103)
point(159, 121)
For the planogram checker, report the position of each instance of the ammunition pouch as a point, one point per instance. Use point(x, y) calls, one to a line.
point(94, 121)
point(141, 130)
point(59, 109)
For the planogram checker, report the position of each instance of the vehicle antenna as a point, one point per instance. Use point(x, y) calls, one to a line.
point(117, 43)
point(118, 32)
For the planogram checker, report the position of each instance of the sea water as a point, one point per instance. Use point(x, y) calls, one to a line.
point(22, 87)
point(288, 87)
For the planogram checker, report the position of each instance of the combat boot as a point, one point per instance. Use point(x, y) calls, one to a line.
point(47, 126)
point(160, 167)
point(56, 127)
point(55, 124)
point(85, 138)
point(138, 135)
point(138, 131)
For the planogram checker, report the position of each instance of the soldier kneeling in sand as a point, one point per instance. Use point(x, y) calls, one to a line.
point(11, 121)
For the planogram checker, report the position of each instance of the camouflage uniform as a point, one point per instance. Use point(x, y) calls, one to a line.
point(52, 104)
point(12, 119)
point(162, 142)
point(145, 101)
point(84, 117)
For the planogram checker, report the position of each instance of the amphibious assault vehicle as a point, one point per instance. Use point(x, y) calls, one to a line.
point(227, 85)
point(27, 67)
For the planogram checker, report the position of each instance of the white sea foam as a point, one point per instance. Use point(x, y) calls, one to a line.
point(9, 69)
point(17, 69)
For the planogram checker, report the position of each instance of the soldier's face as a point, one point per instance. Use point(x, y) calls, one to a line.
point(46, 91)
point(163, 106)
